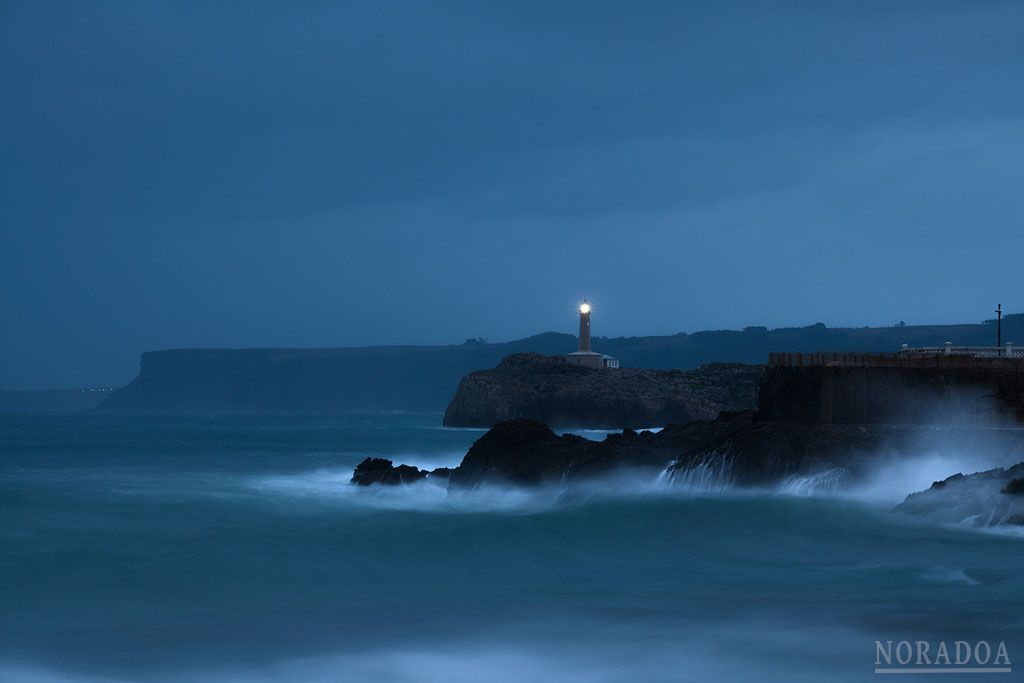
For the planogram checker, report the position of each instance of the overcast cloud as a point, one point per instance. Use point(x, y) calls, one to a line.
point(331, 174)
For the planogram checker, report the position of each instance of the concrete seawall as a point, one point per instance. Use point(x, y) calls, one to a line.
point(983, 392)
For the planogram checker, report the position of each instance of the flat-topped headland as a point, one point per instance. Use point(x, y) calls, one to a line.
point(554, 391)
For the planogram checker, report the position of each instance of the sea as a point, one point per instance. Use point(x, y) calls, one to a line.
point(234, 549)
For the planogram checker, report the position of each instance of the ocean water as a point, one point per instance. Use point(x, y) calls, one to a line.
point(233, 549)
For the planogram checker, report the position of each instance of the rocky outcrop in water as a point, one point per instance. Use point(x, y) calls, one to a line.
point(526, 452)
point(735, 449)
point(383, 471)
point(989, 498)
point(738, 447)
point(549, 390)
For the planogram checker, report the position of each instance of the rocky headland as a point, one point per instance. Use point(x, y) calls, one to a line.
point(549, 390)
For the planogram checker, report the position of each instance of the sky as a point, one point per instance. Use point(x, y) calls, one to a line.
point(335, 174)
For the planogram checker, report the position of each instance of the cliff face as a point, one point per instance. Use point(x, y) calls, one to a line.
point(551, 391)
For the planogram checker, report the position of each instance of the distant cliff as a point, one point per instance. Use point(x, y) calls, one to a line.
point(423, 378)
point(401, 378)
point(551, 391)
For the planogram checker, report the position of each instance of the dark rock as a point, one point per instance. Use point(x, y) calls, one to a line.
point(549, 390)
point(737, 447)
point(523, 451)
point(526, 452)
point(1015, 487)
point(978, 499)
point(383, 471)
point(743, 449)
point(751, 452)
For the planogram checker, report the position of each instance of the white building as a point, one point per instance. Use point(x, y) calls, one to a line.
point(1007, 351)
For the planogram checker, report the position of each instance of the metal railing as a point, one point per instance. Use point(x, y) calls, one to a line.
point(1008, 351)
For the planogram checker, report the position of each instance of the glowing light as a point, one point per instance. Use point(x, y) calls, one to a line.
point(585, 308)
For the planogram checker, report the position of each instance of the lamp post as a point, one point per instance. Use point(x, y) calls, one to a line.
point(999, 325)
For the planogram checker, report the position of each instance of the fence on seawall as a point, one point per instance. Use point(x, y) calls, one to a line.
point(913, 359)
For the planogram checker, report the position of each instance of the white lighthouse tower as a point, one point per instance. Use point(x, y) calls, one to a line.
point(586, 356)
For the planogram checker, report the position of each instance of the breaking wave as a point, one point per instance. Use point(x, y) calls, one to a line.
point(713, 473)
point(821, 483)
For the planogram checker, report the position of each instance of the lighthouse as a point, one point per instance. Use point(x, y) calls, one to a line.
point(585, 355)
point(584, 328)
